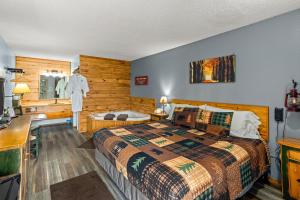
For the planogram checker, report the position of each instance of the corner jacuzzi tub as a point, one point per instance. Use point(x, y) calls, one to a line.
point(96, 120)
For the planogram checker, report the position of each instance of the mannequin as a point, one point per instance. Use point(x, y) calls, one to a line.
point(76, 89)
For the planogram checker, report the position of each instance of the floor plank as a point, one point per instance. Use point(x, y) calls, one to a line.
point(60, 160)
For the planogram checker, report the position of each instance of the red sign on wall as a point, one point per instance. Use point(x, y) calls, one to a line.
point(141, 80)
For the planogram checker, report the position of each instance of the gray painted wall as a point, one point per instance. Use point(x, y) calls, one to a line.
point(7, 59)
point(268, 57)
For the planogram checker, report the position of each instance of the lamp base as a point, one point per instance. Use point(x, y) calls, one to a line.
point(16, 103)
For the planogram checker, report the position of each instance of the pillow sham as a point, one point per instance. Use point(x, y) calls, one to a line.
point(215, 118)
point(239, 116)
point(215, 123)
point(185, 116)
point(173, 106)
point(204, 116)
point(241, 121)
point(223, 119)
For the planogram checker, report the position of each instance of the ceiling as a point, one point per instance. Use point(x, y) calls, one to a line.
point(123, 29)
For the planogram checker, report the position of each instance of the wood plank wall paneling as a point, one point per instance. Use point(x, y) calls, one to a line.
point(33, 67)
point(109, 83)
point(143, 105)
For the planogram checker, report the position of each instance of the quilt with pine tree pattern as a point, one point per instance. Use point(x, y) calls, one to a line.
point(165, 161)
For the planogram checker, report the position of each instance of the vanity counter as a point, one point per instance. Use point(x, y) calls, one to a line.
point(52, 110)
point(16, 134)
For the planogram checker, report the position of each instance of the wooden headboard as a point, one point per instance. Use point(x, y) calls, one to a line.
point(261, 111)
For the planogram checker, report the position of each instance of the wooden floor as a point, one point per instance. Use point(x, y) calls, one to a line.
point(60, 159)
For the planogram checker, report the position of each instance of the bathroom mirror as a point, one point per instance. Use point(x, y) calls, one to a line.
point(53, 87)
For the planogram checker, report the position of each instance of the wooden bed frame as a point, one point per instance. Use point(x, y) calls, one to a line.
point(261, 111)
point(147, 105)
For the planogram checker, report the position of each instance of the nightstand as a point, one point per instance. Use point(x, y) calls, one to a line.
point(155, 117)
point(290, 167)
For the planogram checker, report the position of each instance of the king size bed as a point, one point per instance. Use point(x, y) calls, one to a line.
point(169, 160)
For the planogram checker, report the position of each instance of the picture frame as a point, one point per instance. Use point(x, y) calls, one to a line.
point(213, 70)
point(141, 80)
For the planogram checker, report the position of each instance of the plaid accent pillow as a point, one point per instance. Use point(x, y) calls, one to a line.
point(222, 119)
point(212, 129)
point(217, 130)
point(185, 116)
point(216, 123)
point(203, 118)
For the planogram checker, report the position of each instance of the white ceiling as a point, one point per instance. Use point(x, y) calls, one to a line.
point(123, 29)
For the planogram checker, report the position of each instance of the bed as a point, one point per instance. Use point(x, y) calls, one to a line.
point(160, 160)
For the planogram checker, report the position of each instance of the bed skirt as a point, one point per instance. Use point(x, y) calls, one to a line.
point(128, 190)
point(120, 181)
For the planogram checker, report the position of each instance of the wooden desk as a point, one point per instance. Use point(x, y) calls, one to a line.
point(14, 148)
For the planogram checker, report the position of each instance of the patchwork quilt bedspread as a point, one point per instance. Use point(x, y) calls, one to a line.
point(165, 161)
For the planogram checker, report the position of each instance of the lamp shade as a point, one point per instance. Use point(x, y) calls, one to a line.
point(163, 100)
point(21, 88)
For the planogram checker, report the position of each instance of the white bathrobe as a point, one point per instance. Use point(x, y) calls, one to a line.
point(60, 88)
point(76, 89)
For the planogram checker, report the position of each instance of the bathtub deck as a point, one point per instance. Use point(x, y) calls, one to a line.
point(94, 124)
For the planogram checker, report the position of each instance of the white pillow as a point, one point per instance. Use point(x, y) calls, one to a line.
point(249, 132)
point(203, 107)
point(241, 119)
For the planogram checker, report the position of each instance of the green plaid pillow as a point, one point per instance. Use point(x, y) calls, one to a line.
point(222, 119)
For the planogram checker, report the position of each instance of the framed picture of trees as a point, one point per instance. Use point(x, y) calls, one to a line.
point(213, 70)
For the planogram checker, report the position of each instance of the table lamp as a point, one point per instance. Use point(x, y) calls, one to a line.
point(21, 87)
point(163, 101)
